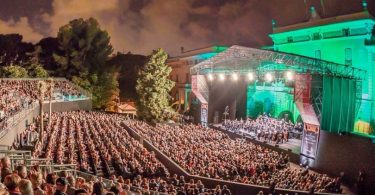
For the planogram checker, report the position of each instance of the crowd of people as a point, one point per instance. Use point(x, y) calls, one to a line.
point(211, 153)
point(264, 128)
point(17, 95)
point(97, 144)
point(23, 181)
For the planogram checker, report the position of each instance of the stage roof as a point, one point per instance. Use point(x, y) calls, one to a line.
point(244, 59)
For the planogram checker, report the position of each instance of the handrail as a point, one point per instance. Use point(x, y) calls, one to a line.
point(15, 151)
point(39, 159)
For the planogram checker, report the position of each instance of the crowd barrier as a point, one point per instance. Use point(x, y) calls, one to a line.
point(236, 188)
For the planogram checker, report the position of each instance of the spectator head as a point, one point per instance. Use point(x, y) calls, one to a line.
point(114, 190)
point(36, 179)
point(87, 187)
point(26, 187)
point(5, 162)
point(11, 182)
point(80, 192)
point(63, 174)
point(51, 179)
point(5, 170)
point(61, 184)
point(22, 171)
point(71, 181)
point(98, 189)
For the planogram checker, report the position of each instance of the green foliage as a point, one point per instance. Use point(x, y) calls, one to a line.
point(129, 66)
point(14, 71)
point(39, 72)
point(83, 51)
point(153, 87)
point(108, 92)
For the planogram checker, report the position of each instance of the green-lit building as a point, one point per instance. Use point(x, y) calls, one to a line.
point(346, 39)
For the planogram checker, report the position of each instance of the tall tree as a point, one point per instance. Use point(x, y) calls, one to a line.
point(153, 87)
point(129, 66)
point(83, 51)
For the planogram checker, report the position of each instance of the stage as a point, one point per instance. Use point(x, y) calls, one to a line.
point(293, 145)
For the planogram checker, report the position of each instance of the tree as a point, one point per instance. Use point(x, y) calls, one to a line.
point(83, 51)
point(14, 71)
point(153, 87)
point(39, 72)
point(128, 66)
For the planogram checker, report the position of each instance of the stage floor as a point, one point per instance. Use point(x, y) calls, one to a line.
point(292, 144)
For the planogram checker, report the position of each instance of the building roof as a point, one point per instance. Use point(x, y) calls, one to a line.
point(194, 52)
point(324, 21)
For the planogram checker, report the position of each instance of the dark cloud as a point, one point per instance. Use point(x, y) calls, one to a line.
point(142, 25)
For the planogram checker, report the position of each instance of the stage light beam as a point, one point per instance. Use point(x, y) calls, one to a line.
point(250, 76)
point(289, 75)
point(221, 77)
point(269, 77)
point(235, 76)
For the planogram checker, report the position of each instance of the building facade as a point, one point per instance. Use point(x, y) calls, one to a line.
point(181, 92)
point(346, 39)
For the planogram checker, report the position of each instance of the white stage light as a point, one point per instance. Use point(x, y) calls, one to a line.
point(235, 76)
point(210, 77)
point(269, 77)
point(289, 75)
point(250, 76)
point(221, 77)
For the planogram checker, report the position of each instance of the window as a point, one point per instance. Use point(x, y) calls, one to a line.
point(187, 78)
point(290, 39)
point(345, 31)
point(318, 54)
point(348, 56)
point(176, 77)
point(316, 36)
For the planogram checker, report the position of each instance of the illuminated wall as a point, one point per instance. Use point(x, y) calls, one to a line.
point(347, 42)
point(273, 100)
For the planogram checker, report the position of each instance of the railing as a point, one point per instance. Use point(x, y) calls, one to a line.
point(80, 89)
point(15, 118)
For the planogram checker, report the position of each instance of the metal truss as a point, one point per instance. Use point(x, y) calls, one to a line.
point(243, 59)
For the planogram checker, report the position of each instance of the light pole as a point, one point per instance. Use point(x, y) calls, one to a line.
point(42, 90)
point(50, 98)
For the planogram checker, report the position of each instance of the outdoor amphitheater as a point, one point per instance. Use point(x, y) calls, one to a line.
point(291, 112)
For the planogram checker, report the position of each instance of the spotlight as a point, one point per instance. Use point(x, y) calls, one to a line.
point(210, 77)
point(250, 76)
point(235, 76)
point(269, 77)
point(221, 76)
point(289, 75)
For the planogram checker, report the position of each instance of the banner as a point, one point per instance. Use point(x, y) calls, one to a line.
point(310, 139)
point(311, 131)
point(204, 114)
point(200, 89)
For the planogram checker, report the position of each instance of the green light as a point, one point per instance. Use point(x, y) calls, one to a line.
point(341, 42)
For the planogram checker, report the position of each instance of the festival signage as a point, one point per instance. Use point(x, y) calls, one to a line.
point(310, 140)
point(200, 90)
point(310, 137)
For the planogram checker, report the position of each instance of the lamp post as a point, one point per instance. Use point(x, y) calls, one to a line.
point(50, 98)
point(42, 90)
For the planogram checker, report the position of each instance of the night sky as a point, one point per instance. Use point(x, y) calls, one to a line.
point(139, 26)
